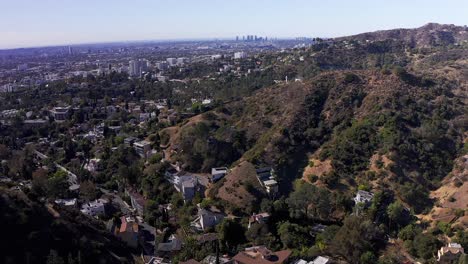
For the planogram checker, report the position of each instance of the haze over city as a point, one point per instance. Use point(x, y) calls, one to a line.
point(28, 23)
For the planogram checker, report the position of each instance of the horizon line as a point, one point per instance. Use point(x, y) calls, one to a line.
point(140, 41)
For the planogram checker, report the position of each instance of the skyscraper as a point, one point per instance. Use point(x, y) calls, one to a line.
point(70, 50)
point(134, 68)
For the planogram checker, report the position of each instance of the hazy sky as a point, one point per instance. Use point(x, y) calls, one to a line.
point(25, 23)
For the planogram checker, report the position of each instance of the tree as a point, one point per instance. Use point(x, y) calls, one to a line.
point(54, 258)
point(4, 152)
point(293, 235)
point(409, 232)
point(397, 215)
point(39, 181)
point(231, 233)
point(88, 191)
point(357, 236)
point(425, 245)
point(368, 258)
point(266, 205)
point(57, 184)
point(308, 200)
point(326, 237)
point(462, 238)
point(300, 199)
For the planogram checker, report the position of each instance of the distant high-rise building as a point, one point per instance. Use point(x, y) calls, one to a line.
point(240, 55)
point(172, 61)
point(162, 66)
point(144, 65)
point(237, 38)
point(183, 60)
point(134, 68)
point(70, 50)
point(243, 38)
point(22, 67)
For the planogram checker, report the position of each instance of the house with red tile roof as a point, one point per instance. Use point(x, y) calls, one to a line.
point(129, 231)
point(261, 255)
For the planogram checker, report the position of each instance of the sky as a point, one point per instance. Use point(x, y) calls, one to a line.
point(29, 23)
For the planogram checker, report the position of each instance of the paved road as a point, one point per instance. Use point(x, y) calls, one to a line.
point(72, 178)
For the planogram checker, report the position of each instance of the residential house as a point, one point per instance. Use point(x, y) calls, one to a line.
point(155, 260)
point(130, 140)
point(266, 177)
point(317, 260)
point(60, 113)
point(261, 255)
point(450, 254)
point(142, 147)
point(92, 165)
point(211, 259)
point(187, 185)
point(218, 173)
point(34, 123)
point(169, 248)
point(207, 238)
point(363, 197)
point(144, 117)
point(137, 200)
point(321, 260)
point(67, 202)
point(318, 228)
point(95, 208)
point(129, 231)
point(258, 218)
point(206, 219)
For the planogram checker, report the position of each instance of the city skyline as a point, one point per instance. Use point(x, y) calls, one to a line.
point(52, 22)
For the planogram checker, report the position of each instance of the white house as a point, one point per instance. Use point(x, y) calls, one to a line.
point(66, 202)
point(266, 177)
point(363, 197)
point(94, 208)
point(206, 219)
point(218, 173)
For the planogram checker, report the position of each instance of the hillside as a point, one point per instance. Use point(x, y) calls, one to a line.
point(32, 231)
point(429, 35)
point(397, 126)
